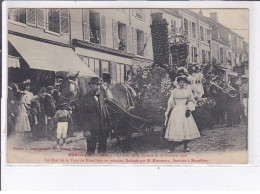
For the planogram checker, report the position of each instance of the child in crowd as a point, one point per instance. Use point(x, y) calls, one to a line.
point(62, 118)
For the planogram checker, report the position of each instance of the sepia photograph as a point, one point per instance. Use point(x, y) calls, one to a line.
point(127, 86)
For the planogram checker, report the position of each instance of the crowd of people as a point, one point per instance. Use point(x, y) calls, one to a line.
point(31, 117)
point(191, 90)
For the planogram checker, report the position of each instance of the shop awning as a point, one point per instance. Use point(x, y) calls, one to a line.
point(50, 57)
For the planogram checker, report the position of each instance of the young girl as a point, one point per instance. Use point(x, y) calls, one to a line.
point(197, 86)
point(181, 126)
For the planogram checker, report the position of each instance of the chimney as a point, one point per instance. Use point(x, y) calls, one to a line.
point(214, 16)
point(200, 12)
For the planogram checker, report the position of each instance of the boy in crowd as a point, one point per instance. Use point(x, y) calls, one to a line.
point(62, 118)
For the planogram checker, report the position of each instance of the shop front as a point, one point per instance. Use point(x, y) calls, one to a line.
point(112, 66)
point(39, 61)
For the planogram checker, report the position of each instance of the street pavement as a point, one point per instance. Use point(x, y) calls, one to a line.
point(217, 139)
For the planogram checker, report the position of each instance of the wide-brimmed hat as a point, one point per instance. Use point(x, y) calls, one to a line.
point(95, 80)
point(182, 78)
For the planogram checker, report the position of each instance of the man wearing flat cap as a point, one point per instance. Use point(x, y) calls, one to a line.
point(96, 116)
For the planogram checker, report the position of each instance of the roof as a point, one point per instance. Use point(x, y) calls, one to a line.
point(173, 12)
point(211, 21)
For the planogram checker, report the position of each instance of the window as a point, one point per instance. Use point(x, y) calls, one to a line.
point(201, 33)
point(221, 55)
point(40, 18)
point(93, 64)
point(86, 30)
point(219, 36)
point(140, 43)
point(209, 56)
point(122, 73)
point(58, 20)
point(195, 54)
point(53, 20)
point(192, 54)
point(193, 30)
point(240, 58)
point(122, 36)
point(235, 41)
point(64, 21)
point(97, 67)
point(173, 25)
point(117, 73)
point(235, 59)
point(31, 16)
point(18, 15)
point(208, 34)
point(229, 56)
point(186, 26)
point(229, 38)
point(105, 71)
point(94, 22)
point(203, 57)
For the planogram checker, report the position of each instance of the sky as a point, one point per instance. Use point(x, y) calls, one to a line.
point(231, 18)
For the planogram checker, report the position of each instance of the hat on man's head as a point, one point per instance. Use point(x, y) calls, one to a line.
point(42, 90)
point(50, 88)
point(26, 82)
point(95, 80)
point(65, 105)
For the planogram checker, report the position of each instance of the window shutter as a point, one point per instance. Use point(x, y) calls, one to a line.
point(86, 27)
point(129, 39)
point(30, 16)
point(145, 44)
point(64, 21)
point(103, 30)
point(134, 45)
point(115, 34)
point(190, 28)
point(40, 18)
point(122, 73)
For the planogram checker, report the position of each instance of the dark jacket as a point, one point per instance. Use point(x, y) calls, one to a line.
point(49, 105)
point(96, 116)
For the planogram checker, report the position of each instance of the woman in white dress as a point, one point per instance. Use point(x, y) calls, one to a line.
point(181, 126)
point(22, 124)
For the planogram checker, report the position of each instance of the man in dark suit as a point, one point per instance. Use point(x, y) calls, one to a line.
point(97, 123)
point(50, 110)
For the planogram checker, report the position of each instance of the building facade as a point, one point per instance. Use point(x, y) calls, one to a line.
point(199, 35)
point(108, 42)
point(112, 41)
